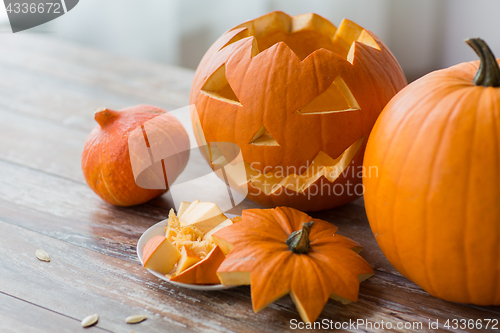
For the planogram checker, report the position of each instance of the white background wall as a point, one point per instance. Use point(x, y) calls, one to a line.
point(423, 34)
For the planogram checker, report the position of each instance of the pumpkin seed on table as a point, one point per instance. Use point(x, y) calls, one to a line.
point(135, 319)
point(90, 320)
point(42, 255)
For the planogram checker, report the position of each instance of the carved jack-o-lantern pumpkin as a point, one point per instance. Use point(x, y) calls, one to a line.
point(299, 97)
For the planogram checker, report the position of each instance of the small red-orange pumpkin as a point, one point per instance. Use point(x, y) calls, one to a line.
point(106, 160)
point(299, 97)
point(433, 181)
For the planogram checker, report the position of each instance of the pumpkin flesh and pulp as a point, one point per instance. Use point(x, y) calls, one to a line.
point(186, 260)
point(199, 256)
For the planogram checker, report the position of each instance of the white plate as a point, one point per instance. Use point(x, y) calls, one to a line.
point(159, 229)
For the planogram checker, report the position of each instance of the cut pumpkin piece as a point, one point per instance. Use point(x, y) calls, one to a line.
point(204, 215)
point(203, 272)
point(224, 245)
point(160, 255)
point(224, 224)
point(183, 207)
point(188, 259)
point(191, 206)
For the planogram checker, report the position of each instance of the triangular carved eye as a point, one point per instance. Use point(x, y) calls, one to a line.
point(337, 98)
point(218, 87)
point(263, 138)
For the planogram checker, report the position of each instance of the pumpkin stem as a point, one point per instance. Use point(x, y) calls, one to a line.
point(298, 242)
point(104, 116)
point(488, 74)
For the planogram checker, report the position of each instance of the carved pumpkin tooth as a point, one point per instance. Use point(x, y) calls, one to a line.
point(218, 87)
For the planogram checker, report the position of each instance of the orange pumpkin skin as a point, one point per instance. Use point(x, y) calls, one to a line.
point(204, 271)
point(259, 256)
point(278, 68)
point(106, 160)
point(434, 207)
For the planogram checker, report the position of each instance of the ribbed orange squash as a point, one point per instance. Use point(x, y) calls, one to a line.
point(299, 97)
point(284, 251)
point(433, 181)
point(106, 162)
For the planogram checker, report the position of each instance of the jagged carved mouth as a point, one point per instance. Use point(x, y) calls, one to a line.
point(241, 173)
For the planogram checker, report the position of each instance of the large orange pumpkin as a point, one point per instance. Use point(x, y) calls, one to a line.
point(433, 181)
point(299, 97)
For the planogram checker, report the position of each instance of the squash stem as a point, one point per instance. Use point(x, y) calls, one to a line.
point(298, 242)
point(488, 74)
point(104, 116)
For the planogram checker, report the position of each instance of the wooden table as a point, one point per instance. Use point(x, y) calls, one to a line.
point(48, 92)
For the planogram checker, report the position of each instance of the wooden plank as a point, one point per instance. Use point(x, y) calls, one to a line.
point(41, 145)
point(59, 83)
point(90, 282)
point(46, 145)
point(77, 282)
point(66, 212)
point(53, 58)
point(70, 210)
point(28, 138)
point(55, 149)
point(61, 101)
point(21, 316)
point(91, 224)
